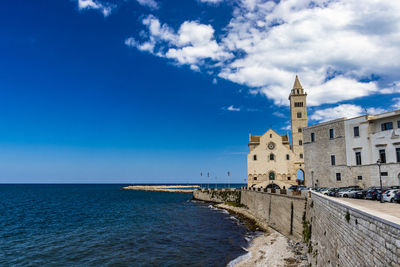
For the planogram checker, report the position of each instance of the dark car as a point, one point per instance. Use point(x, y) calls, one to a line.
point(332, 193)
point(294, 187)
point(360, 194)
point(372, 194)
point(396, 197)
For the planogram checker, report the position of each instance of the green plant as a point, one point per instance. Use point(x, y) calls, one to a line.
point(347, 217)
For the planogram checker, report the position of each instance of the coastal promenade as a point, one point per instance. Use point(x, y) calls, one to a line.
point(163, 188)
point(337, 232)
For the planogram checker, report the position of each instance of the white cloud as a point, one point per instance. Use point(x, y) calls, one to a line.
point(232, 108)
point(278, 114)
point(396, 104)
point(149, 3)
point(288, 127)
point(341, 111)
point(335, 47)
point(192, 44)
point(344, 111)
point(93, 4)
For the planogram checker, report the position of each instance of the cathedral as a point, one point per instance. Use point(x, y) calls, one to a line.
point(272, 158)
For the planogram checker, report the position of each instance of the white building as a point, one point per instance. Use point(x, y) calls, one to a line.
point(345, 152)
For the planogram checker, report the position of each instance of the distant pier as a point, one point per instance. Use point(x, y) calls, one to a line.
point(163, 188)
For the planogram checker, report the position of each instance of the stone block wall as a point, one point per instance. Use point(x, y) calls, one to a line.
point(282, 212)
point(343, 236)
point(217, 195)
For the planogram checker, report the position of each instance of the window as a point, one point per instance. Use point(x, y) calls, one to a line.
point(298, 104)
point(301, 155)
point(271, 176)
point(255, 178)
point(358, 158)
point(333, 160)
point(398, 124)
point(287, 157)
point(312, 137)
point(359, 177)
point(300, 143)
point(382, 155)
point(271, 157)
point(338, 176)
point(299, 130)
point(331, 133)
point(288, 178)
point(387, 126)
point(298, 114)
point(356, 131)
point(270, 135)
point(398, 154)
point(255, 157)
point(384, 173)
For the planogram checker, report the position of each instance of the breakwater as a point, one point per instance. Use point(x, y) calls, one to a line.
point(163, 188)
point(336, 234)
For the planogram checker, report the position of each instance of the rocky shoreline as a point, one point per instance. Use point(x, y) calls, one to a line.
point(271, 249)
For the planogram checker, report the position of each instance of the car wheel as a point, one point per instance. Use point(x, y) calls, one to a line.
point(391, 200)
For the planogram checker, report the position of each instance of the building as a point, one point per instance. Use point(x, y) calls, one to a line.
point(345, 152)
point(272, 158)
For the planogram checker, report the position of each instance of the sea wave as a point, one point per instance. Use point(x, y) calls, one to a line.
point(239, 259)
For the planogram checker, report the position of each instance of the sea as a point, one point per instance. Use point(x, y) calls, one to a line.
point(102, 225)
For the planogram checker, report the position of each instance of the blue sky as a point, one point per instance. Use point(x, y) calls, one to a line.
point(142, 91)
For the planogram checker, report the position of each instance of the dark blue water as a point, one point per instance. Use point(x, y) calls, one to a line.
point(92, 225)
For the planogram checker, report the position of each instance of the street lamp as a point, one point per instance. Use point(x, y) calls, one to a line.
point(378, 162)
point(312, 179)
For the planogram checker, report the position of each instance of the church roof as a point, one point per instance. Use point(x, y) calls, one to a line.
point(297, 84)
point(255, 139)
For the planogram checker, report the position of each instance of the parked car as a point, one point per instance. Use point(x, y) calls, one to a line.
point(379, 196)
point(332, 193)
point(372, 194)
point(302, 187)
point(388, 196)
point(360, 194)
point(325, 191)
point(396, 197)
point(351, 192)
point(294, 187)
point(340, 192)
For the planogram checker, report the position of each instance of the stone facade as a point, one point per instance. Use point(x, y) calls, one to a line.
point(271, 157)
point(344, 152)
point(325, 155)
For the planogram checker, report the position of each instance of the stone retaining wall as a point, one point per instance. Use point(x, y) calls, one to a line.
point(217, 195)
point(344, 236)
point(282, 212)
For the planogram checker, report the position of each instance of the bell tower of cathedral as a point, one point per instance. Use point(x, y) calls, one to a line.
point(298, 118)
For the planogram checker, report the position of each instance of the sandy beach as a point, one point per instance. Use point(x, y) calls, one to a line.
point(270, 249)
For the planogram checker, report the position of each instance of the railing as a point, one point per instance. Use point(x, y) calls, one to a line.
point(287, 192)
